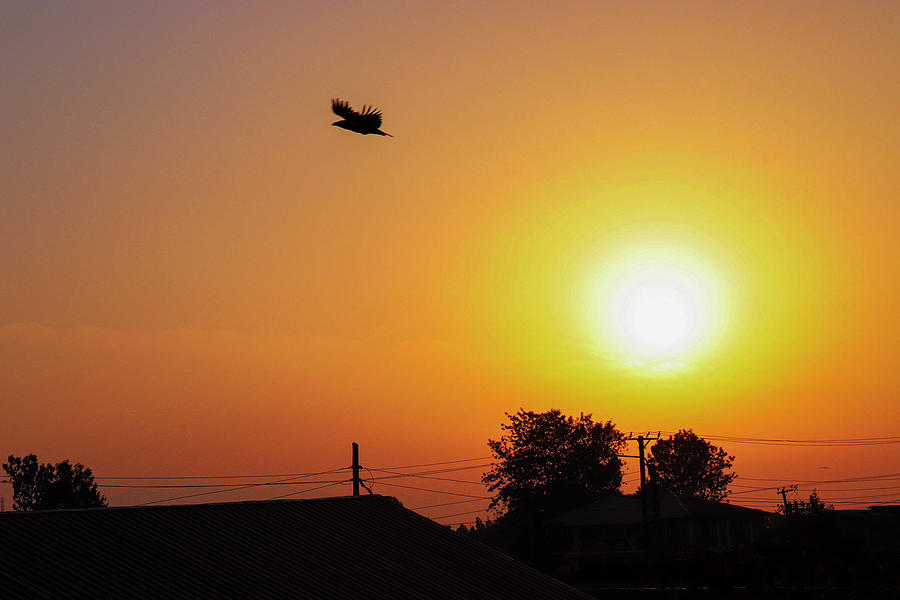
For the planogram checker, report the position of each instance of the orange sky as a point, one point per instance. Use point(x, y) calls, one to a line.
point(201, 276)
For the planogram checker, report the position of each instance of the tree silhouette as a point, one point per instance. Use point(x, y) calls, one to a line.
point(815, 506)
point(48, 486)
point(548, 462)
point(687, 464)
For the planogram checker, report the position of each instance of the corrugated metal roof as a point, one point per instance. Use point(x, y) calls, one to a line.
point(626, 510)
point(333, 548)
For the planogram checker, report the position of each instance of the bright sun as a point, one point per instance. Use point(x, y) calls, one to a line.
point(658, 313)
point(657, 310)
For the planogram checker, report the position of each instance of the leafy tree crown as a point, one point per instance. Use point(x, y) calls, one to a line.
point(689, 465)
point(551, 462)
point(46, 486)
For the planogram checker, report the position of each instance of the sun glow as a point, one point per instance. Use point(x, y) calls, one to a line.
point(657, 310)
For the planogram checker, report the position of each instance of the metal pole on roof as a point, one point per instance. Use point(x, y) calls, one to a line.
point(355, 468)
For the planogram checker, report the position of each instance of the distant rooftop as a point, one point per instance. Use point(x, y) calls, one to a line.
point(617, 509)
point(366, 547)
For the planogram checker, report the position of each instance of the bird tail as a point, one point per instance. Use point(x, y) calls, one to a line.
point(383, 133)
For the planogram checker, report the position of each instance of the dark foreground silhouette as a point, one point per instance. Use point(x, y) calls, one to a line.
point(366, 122)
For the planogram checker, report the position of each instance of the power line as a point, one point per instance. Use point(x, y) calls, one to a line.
point(410, 487)
point(761, 502)
point(459, 514)
point(877, 440)
point(834, 442)
point(321, 487)
point(885, 438)
point(450, 470)
point(865, 502)
point(191, 477)
point(864, 497)
point(445, 504)
point(884, 476)
point(751, 487)
point(428, 472)
point(828, 498)
point(841, 491)
point(802, 445)
point(755, 490)
point(231, 489)
point(285, 475)
point(446, 462)
point(425, 474)
point(399, 475)
point(205, 485)
point(154, 477)
point(827, 491)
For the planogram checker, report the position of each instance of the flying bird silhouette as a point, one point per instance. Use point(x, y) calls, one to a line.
point(366, 122)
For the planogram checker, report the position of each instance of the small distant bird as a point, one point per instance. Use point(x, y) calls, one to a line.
point(366, 122)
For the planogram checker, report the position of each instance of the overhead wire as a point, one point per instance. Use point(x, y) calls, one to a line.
point(812, 443)
point(161, 486)
point(445, 504)
point(883, 476)
point(410, 487)
point(842, 490)
point(371, 481)
point(232, 489)
point(430, 471)
point(397, 472)
point(445, 462)
point(321, 487)
point(459, 514)
point(248, 476)
point(278, 475)
point(400, 475)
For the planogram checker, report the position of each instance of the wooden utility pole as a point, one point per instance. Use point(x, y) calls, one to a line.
point(355, 467)
point(783, 490)
point(645, 490)
point(654, 492)
point(642, 443)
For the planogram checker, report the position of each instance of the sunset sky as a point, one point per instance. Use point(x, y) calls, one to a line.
point(201, 276)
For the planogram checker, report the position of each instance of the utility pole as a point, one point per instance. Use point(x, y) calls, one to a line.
point(645, 491)
point(642, 441)
point(355, 468)
point(783, 490)
point(654, 527)
point(654, 492)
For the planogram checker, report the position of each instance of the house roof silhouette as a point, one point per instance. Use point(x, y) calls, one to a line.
point(367, 547)
point(618, 509)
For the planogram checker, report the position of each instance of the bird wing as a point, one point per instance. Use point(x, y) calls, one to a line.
point(370, 116)
point(342, 109)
